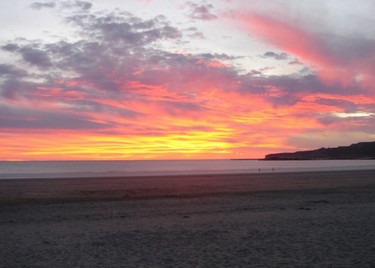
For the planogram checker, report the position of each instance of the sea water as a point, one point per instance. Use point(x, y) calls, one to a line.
point(64, 169)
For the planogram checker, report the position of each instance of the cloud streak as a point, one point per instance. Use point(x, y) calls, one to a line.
point(41, 5)
point(334, 58)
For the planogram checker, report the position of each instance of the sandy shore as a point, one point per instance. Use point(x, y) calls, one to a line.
point(320, 219)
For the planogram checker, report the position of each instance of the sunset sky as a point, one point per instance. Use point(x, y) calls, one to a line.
point(168, 79)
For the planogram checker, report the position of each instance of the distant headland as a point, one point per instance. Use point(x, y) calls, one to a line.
point(361, 150)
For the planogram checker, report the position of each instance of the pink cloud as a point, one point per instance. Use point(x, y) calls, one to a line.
point(340, 60)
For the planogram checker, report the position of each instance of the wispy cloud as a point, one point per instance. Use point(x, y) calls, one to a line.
point(201, 11)
point(334, 58)
point(41, 5)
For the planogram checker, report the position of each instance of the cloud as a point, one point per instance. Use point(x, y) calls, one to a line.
point(181, 108)
point(350, 122)
point(84, 5)
point(201, 12)
point(276, 56)
point(88, 76)
point(76, 4)
point(10, 70)
point(35, 56)
point(287, 90)
point(115, 79)
point(23, 118)
point(295, 62)
point(31, 53)
point(335, 59)
point(41, 5)
point(192, 32)
point(14, 87)
point(114, 51)
point(11, 47)
point(128, 30)
point(216, 56)
point(344, 105)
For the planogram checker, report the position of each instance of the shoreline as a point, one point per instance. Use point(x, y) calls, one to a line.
point(146, 168)
point(178, 186)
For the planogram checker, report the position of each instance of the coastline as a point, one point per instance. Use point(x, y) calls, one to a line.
point(311, 219)
point(151, 168)
point(117, 188)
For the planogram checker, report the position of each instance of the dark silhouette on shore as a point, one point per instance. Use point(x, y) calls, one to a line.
point(361, 150)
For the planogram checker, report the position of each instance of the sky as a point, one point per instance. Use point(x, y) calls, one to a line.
point(169, 79)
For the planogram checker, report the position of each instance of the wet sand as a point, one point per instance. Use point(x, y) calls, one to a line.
point(317, 219)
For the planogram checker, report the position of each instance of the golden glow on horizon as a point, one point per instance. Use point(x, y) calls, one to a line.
point(193, 144)
point(229, 130)
point(226, 129)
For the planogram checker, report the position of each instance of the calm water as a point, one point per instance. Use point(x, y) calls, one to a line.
point(58, 169)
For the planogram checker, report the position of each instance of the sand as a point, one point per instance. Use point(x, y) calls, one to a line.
point(317, 219)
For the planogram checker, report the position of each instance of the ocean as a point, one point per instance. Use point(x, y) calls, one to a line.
point(64, 169)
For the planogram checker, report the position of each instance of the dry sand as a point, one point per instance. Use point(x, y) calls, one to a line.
point(320, 219)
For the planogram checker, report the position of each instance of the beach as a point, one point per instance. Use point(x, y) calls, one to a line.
point(311, 219)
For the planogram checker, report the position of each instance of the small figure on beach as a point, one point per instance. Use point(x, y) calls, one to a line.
point(259, 169)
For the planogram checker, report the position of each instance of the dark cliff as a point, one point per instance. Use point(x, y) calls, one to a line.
point(362, 150)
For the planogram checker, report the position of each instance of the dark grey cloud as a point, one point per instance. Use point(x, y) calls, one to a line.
point(201, 11)
point(311, 83)
point(35, 56)
point(348, 49)
point(127, 29)
point(291, 88)
point(346, 106)
point(41, 5)
point(87, 105)
point(109, 44)
point(255, 72)
point(295, 62)
point(76, 4)
point(73, 5)
point(276, 56)
point(82, 75)
point(283, 100)
point(84, 5)
point(216, 56)
point(25, 118)
point(11, 47)
point(10, 70)
point(14, 88)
